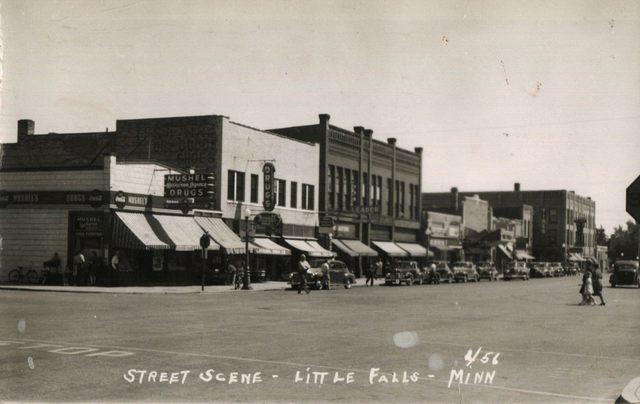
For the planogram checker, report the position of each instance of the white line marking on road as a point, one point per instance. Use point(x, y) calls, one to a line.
point(302, 365)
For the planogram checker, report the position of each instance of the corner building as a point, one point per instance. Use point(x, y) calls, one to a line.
point(369, 193)
point(53, 185)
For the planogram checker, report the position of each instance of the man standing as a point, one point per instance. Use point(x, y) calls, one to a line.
point(115, 268)
point(303, 268)
point(326, 277)
point(371, 273)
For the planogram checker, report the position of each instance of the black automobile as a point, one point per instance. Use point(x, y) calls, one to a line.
point(625, 273)
point(407, 272)
point(556, 270)
point(465, 271)
point(539, 270)
point(442, 268)
point(339, 273)
point(487, 270)
point(516, 270)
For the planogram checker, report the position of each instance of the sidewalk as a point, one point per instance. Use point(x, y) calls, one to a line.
point(161, 290)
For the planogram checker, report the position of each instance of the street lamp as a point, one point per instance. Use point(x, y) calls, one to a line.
point(247, 277)
point(564, 253)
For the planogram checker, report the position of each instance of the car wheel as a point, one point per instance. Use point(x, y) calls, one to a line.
point(347, 284)
point(613, 285)
point(14, 276)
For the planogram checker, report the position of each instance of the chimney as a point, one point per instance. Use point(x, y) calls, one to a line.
point(368, 133)
point(454, 198)
point(391, 141)
point(25, 128)
point(516, 186)
point(358, 130)
point(324, 119)
point(418, 150)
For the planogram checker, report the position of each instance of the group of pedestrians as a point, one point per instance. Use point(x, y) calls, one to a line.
point(82, 270)
point(591, 286)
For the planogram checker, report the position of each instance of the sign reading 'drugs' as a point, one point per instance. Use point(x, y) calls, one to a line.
point(189, 185)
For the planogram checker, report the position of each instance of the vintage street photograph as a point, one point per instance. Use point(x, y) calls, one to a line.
point(283, 201)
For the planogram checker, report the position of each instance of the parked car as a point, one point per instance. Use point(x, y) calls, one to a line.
point(539, 270)
point(556, 270)
point(442, 268)
point(571, 269)
point(407, 272)
point(625, 273)
point(464, 271)
point(516, 269)
point(339, 274)
point(487, 270)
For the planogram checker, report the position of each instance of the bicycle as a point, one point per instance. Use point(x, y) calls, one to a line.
point(19, 275)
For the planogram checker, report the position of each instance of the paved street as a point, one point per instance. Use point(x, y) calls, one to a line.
point(550, 349)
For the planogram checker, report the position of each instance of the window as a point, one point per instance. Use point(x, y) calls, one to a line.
point(397, 191)
point(411, 201)
point(282, 191)
point(307, 197)
point(235, 186)
point(348, 189)
point(332, 187)
point(254, 188)
point(294, 194)
point(365, 185)
point(402, 198)
point(379, 191)
point(340, 188)
point(355, 183)
point(389, 197)
point(553, 215)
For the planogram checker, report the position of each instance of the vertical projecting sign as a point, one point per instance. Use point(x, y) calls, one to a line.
point(268, 201)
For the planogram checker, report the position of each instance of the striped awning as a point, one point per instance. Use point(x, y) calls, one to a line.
point(342, 247)
point(309, 247)
point(390, 248)
point(221, 234)
point(133, 230)
point(183, 232)
point(360, 248)
point(523, 255)
point(268, 247)
point(414, 250)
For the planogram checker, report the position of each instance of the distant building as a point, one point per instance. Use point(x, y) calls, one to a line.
point(562, 225)
point(445, 233)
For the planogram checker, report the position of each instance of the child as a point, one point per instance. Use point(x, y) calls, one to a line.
point(587, 290)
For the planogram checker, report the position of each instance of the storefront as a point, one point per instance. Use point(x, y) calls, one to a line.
point(355, 254)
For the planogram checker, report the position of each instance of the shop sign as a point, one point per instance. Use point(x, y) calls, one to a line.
point(325, 225)
point(367, 209)
point(121, 199)
point(268, 197)
point(268, 223)
point(93, 198)
point(88, 225)
point(345, 230)
point(189, 185)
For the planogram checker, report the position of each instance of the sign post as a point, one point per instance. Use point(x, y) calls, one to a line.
point(205, 241)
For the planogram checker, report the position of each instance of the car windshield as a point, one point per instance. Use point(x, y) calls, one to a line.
point(626, 266)
point(403, 265)
point(462, 264)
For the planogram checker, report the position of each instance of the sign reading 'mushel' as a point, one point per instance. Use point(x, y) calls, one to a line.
point(186, 185)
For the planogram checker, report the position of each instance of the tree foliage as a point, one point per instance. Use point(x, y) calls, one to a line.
point(623, 243)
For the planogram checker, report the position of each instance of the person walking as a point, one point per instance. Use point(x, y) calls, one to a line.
point(587, 288)
point(303, 268)
point(597, 283)
point(95, 267)
point(78, 264)
point(115, 269)
point(371, 273)
point(326, 276)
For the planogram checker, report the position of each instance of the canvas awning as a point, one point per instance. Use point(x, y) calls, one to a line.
point(221, 234)
point(342, 247)
point(133, 230)
point(504, 250)
point(523, 255)
point(354, 248)
point(575, 257)
point(182, 231)
point(414, 250)
point(268, 247)
point(309, 247)
point(390, 248)
point(446, 247)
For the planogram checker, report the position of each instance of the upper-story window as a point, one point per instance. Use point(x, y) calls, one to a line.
point(294, 194)
point(235, 186)
point(307, 197)
point(332, 187)
point(282, 192)
point(254, 188)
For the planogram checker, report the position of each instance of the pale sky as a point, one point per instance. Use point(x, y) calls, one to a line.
point(542, 93)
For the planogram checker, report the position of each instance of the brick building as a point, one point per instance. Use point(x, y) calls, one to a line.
point(369, 189)
point(74, 166)
point(562, 223)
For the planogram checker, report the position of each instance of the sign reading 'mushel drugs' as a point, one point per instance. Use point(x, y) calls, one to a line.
point(187, 185)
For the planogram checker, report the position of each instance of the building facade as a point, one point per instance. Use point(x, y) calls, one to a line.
point(563, 223)
point(231, 154)
point(369, 192)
